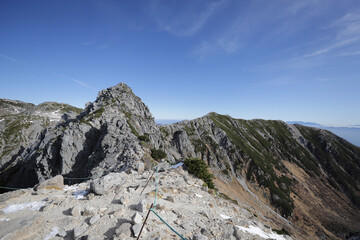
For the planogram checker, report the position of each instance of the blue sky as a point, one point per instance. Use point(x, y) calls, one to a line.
point(276, 59)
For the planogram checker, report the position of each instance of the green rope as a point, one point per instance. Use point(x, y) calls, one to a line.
point(10, 188)
point(151, 209)
point(156, 184)
point(76, 178)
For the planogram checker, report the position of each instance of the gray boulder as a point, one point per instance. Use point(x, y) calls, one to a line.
point(140, 167)
point(141, 207)
point(102, 185)
point(78, 231)
point(89, 211)
point(94, 219)
point(76, 211)
point(137, 218)
point(136, 229)
point(124, 231)
point(199, 236)
point(56, 183)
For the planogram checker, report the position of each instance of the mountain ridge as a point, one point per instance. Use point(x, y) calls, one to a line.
point(21, 123)
point(284, 171)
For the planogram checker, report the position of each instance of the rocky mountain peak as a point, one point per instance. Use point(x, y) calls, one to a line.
point(119, 99)
point(120, 91)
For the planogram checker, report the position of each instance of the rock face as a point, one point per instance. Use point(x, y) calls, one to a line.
point(21, 124)
point(101, 139)
point(276, 162)
point(102, 185)
point(289, 172)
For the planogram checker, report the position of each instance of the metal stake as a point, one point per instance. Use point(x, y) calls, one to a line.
point(145, 221)
point(147, 182)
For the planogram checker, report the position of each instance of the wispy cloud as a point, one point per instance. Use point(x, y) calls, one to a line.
point(81, 83)
point(350, 53)
point(322, 79)
point(279, 82)
point(348, 25)
point(203, 50)
point(242, 29)
point(344, 31)
point(229, 40)
point(96, 44)
point(88, 43)
point(340, 37)
point(333, 46)
point(11, 59)
point(186, 21)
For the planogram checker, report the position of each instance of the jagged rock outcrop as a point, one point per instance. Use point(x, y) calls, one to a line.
point(103, 138)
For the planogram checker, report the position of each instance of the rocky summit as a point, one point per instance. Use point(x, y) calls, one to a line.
point(272, 180)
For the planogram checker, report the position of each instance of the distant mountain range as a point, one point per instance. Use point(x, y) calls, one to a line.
point(350, 133)
point(167, 121)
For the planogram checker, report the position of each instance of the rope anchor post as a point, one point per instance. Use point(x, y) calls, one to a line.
point(147, 182)
point(145, 221)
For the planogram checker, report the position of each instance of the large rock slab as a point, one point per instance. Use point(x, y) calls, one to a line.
point(136, 229)
point(103, 185)
point(56, 183)
point(124, 231)
point(24, 227)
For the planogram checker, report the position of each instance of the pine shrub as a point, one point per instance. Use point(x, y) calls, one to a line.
point(157, 154)
point(199, 168)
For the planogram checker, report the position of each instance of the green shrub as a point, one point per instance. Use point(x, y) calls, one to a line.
point(157, 154)
point(98, 113)
point(144, 138)
point(198, 167)
point(283, 231)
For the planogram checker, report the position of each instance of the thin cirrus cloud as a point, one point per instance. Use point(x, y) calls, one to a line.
point(347, 32)
point(241, 29)
point(349, 25)
point(95, 44)
point(11, 59)
point(81, 83)
point(350, 53)
point(183, 22)
point(334, 46)
point(340, 38)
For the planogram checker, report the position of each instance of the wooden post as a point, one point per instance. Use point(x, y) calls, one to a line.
point(145, 221)
point(147, 182)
